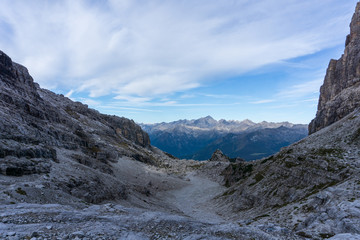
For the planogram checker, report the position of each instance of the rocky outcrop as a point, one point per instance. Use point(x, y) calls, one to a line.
point(38, 116)
point(340, 93)
point(219, 156)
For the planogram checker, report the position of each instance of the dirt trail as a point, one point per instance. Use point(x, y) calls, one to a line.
point(194, 200)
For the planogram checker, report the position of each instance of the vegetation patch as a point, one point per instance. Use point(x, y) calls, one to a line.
point(94, 149)
point(319, 187)
point(236, 172)
point(301, 158)
point(336, 152)
point(20, 191)
point(258, 177)
point(196, 166)
point(248, 168)
point(290, 164)
point(122, 145)
point(289, 151)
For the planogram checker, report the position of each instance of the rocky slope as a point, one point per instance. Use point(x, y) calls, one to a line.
point(40, 128)
point(197, 139)
point(312, 186)
point(339, 95)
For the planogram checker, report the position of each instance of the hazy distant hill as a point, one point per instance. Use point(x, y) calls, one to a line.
point(254, 144)
point(199, 138)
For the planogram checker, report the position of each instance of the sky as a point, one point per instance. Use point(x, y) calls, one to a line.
point(164, 60)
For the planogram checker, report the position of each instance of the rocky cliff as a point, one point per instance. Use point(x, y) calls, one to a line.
point(40, 131)
point(339, 95)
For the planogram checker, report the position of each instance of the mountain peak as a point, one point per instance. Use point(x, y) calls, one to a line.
point(248, 121)
point(207, 121)
point(207, 118)
point(354, 35)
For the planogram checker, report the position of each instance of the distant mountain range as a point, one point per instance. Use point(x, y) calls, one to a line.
point(199, 138)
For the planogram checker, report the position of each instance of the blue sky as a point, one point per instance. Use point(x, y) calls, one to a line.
point(158, 60)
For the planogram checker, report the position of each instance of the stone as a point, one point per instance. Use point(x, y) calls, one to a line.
point(11, 234)
point(339, 94)
point(77, 234)
point(219, 156)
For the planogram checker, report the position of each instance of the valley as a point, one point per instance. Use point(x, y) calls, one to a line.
point(198, 139)
point(70, 172)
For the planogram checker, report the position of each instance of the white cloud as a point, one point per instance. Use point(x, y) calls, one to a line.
point(68, 95)
point(301, 90)
point(132, 99)
point(144, 49)
point(130, 108)
point(263, 101)
point(89, 101)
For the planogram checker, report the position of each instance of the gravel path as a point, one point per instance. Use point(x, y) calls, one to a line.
point(194, 200)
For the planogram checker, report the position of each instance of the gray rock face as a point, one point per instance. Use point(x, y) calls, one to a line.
point(39, 126)
point(340, 93)
point(41, 113)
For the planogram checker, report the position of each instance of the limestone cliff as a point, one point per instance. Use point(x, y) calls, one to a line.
point(41, 130)
point(340, 93)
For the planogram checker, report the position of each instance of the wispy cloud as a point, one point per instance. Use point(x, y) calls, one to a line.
point(132, 99)
point(145, 49)
point(263, 101)
point(69, 93)
point(301, 90)
point(129, 108)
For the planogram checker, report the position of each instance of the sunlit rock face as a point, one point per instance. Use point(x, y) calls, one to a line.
point(340, 93)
